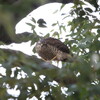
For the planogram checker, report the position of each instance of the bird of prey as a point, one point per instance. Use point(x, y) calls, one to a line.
point(50, 49)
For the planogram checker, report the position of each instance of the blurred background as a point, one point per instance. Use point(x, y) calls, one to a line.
point(25, 76)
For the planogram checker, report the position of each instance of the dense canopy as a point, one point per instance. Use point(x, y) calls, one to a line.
point(25, 77)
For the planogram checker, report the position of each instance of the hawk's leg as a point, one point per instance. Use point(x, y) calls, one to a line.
point(53, 58)
point(46, 60)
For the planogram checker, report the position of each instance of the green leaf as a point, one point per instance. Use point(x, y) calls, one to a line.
point(33, 20)
point(30, 24)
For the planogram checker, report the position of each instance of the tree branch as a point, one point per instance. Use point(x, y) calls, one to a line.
point(23, 59)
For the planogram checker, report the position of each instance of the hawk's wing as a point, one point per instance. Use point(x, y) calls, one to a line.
point(56, 43)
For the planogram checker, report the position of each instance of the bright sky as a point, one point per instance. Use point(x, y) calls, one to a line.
point(51, 13)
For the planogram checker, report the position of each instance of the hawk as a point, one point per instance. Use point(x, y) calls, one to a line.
point(50, 49)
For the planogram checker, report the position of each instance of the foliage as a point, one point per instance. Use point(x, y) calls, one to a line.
point(78, 80)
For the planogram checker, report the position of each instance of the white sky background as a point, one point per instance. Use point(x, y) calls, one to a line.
point(50, 13)
point(45, 12)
